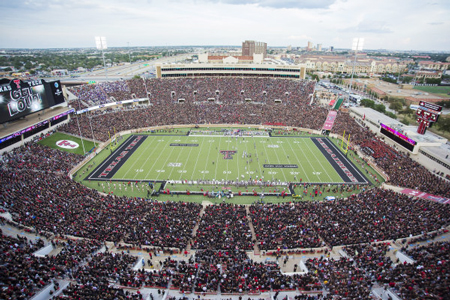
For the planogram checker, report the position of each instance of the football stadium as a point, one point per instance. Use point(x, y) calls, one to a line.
point(212, 187)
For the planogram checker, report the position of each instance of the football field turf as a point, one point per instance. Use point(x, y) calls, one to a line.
point(230, 158)
point(82, 147)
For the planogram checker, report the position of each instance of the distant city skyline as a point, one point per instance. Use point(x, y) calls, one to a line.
point(384, 24)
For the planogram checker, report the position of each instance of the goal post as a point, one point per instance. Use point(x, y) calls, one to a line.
point(345, 143)
point(113, 141)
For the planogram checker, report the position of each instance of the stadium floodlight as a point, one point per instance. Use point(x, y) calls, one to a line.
point(81, 135)
point(357, 45)
point(100, 42)
point(129, 54)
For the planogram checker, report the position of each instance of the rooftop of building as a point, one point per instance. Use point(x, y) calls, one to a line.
point(220, 57)
point(429, 62)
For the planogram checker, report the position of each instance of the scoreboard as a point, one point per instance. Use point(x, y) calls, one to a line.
point(20, 98)
point(398, 137)
point(427, 115)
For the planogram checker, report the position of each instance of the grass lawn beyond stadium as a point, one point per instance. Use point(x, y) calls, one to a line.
point(441, 91)
point(221, 158)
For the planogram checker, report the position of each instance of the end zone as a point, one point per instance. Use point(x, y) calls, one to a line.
point(112, 164)
point(348, 172)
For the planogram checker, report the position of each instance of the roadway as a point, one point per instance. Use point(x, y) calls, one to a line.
point(123, 72)
point(364, 95)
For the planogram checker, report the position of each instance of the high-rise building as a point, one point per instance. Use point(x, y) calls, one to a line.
point(319, 47)
point(310, 46)
point(252, 47)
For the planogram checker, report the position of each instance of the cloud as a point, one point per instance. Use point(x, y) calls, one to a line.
point(383, 23)
point(405, 41)
point(39, 5)
point(279, 4)
point(299, 37)
point(369, 26)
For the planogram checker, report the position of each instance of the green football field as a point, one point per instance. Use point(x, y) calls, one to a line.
point(287, 159)
point(82, 147)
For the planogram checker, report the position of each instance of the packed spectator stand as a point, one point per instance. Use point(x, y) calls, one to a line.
point(426, 276)
point(230, 107)
point(38, 194)
point(223, 227)
point(283, 226)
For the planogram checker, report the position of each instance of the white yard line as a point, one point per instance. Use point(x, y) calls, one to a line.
point(154, 161)
point(200, 150)
point(211, 143)
point(237, 159)
point(324, 170)
point(135, 162)
point(299, 161)
point(217, 161)
point(280, 146)
point(176, 160)
point(165, 162)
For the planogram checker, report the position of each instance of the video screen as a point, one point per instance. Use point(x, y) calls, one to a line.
point(19, 98)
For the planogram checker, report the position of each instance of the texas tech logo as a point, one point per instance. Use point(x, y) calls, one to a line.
point(228, 154)
point(67, 144)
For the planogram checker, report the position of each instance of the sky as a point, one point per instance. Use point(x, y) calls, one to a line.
point(384, 24)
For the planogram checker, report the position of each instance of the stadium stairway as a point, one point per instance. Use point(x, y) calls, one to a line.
point(194, 230)
point(252, 229)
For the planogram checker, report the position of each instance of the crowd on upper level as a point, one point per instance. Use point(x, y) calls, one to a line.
point(228, 90)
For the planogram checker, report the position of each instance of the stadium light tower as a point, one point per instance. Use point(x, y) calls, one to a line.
point(146, 91)
point(129, 54)
point(92, 131)
point(81, 135)
point(357, 45)
point(100, 42)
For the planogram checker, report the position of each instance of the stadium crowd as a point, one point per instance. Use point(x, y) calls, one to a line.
point(37, 192)
point(426, 278)
point(222, 227)
point(22, 274)
point(159, 225)
point(230, 107)
point(283, 226)
point(371, 257)
point(96, 291)
point(41, 197)
point(235, 272)
point(401, 169)
point(39, 158)
point(233, 90)
point(341, 277)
